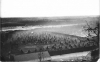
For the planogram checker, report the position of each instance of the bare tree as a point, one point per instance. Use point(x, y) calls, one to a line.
point(92, 28)
point(93, 31)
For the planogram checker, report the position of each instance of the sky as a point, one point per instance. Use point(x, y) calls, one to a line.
point(49, 8)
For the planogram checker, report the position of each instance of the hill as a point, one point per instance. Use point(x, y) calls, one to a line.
point(50, 40)
point(24, 42)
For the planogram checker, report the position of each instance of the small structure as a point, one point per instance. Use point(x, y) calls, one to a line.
point(33, 57)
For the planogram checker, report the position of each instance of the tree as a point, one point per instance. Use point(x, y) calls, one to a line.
point(93, 32)
point(92, 29)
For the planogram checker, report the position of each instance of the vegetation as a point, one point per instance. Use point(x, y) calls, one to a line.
point(51, 41)
point(12, 42)
point(93, 33)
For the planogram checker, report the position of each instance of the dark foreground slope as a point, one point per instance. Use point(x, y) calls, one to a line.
point(14, 43)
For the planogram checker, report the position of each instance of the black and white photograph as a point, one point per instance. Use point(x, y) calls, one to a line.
point(70, 39)
point(49, 31)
